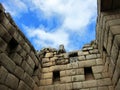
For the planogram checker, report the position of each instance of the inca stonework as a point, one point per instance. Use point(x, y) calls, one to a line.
point(95, 67)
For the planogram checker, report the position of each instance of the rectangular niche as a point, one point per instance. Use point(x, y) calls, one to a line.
point(88, 73)
point(56, 76)
point(12, 45)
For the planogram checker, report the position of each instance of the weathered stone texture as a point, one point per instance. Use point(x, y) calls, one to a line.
point(24, 68)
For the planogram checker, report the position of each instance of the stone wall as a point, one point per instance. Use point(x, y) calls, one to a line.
point(20, 66)
point(77, 70)
point(108, 39)
point(95, 67)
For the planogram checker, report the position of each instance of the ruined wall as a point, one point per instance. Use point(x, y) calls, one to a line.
point(108, 39)
point(95, 67)
point(77, 70)
point(19, 65)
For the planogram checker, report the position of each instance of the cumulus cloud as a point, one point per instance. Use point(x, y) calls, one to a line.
point(75, 17)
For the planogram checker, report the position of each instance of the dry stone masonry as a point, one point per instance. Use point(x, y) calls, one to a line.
point(95, 67)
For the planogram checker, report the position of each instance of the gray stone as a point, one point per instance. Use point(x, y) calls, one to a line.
point(27, 68)
point(105, 81)
point(12, 81)
point(3, 45)
point(3, 74)
point(7, 62)
point(16, 58)
point(92, 56)
point(3, 87)
point(78, 78)
point(90, 83)
point(77, 85)
point(103, 88)
point(23, 86)
point(19, 72)
point(28, 80)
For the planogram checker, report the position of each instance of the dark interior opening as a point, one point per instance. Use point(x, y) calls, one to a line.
point(56, 76)
point(88, 73)
point(73, 54)
point(12, 45)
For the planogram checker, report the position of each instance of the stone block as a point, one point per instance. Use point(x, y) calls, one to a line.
point(47, 75)
point(16, 58)
point(47, 64)
point(99, 61)
point(30, 62)
point(57, 87)
point(3, 87)
point(74, 65)
point(2, 30)
point(90, 83)
point(103, 82)
point(80, 71)
point(27, 68)
point(78, 78)
point(97, 76)
point(91, 56)
point(71, 72)
point(46, 60)
point(42, 82)
point(118, 61)
point(85, 53)
point(44, 70)
point(66, 79)
point(77, 85)
point(97, 69)
point(103, 88)
point(36, 79)
point(19, 72)
point(22, 52)
point(3, 74)
point(26, 46)
point(110, 88)
point(28, 80)
point(36, 87)
point(7, 62)
point(105, 74)
point(114, 52)
point(68, 86)
point(3, 45)
point(23, 86)
point(49, 55)
point(80, 53)
point(12, 81)
point(7, 37)
point(94, 88)
point(118, 85)
point(111, 68)
point(49, 87)
point(81, 58)
point(69, 66)
point(48, 81)
point(94, 51)
point(62, 73)
point(116, 76)
point(85, 89)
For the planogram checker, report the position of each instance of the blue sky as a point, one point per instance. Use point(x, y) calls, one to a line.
point(49, 23)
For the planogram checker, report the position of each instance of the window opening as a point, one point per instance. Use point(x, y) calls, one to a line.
point(88, 73)
point(56, 76)
point(12, 45)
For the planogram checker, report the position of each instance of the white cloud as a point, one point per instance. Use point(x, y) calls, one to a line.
point(46, 39)
point(15, 7)
point(76, 16)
